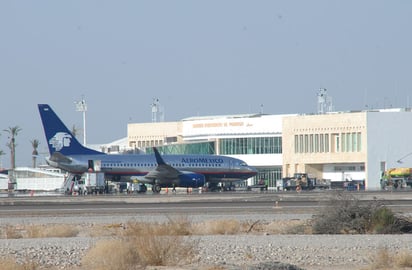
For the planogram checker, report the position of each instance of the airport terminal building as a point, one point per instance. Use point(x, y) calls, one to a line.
point(254, 138)
point(339, 146)
point(348, 146)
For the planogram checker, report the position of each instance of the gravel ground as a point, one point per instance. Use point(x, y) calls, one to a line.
point(311, 252)
point(306, 251)
point(231, 252)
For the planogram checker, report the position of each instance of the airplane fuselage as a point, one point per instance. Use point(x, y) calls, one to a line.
point(124, 167)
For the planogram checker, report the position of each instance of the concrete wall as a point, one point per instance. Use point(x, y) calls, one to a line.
point(4, 183)
point(142, 135)
point(331, 124)
point(43, 184)
point(385, 138)
point(389, 139)
point(205, 128)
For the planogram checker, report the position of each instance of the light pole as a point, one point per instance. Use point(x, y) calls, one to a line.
point(81, 106)
point(405, 156)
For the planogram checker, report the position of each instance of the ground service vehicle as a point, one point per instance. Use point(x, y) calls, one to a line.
point(87, 183)
point(397, 178)
point(301, 181)
point(92, 183)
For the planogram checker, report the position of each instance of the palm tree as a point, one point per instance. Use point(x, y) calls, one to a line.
point(1, 154)
point(74, 130)
point(35, 143)
point(13, 132)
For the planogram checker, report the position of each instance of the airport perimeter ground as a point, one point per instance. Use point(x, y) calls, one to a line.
point(216, 251)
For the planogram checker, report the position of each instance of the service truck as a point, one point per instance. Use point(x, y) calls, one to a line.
point(397, 178)
point(91, 183)
point(302, 181)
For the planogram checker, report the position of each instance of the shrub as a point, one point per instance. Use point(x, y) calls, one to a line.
point(343, 214)
point(404, 259)
point(51, 230)
point(174, 226)
point(111, 254)
point(39, 231)
point(162, 244)
point(142, 244)
point(386, 259)
point(10, 264)
point(163, 250)
point(383, 221)
point(219, 226)
point(346, 214)
point(11, 232)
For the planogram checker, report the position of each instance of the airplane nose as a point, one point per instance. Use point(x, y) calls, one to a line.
point(253, 170)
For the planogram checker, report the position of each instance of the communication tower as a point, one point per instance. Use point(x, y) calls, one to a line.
point(324, 101)
point(81, 106)
point(157, 111)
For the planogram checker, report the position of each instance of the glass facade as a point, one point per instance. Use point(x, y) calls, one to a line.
point(269, 176)
point(255, 146)
point(250, 146)
point(351, 142)
point(192, 148)
point(320, 143)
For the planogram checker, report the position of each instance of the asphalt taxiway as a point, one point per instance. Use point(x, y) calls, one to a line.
point(192, 204)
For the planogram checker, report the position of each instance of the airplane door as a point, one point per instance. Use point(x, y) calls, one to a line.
point(231, 165)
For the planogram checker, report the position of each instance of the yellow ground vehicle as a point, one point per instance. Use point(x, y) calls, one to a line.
point(397, 178)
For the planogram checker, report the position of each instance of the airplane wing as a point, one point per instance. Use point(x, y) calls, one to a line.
point(166, 175)
point(163, 170)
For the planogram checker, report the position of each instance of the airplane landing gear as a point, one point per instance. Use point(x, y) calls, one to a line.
point(156, 188)
point(213, 187)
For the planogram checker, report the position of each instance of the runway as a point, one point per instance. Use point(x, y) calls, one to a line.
point(193, 204)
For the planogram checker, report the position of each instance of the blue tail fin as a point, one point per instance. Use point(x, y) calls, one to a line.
point(58, 136)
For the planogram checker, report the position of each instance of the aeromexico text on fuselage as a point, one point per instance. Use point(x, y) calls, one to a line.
point(184, 160)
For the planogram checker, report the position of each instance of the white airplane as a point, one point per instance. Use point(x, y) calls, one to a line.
point(68, 154)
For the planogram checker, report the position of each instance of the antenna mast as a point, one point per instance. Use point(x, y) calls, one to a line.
point(157, 111)
point(81, 106)
point(324, 101)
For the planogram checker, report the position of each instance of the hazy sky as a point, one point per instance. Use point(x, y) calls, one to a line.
point(196, 57)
